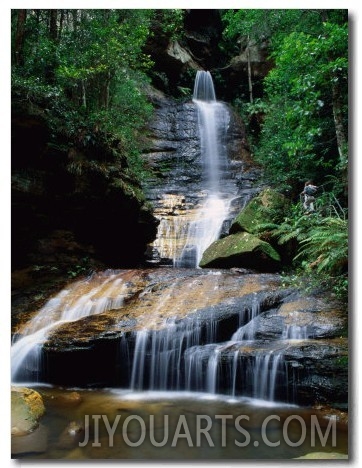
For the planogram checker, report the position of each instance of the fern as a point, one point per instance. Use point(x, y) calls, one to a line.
point(318, 241)
point(327, 243)
point(291, 228)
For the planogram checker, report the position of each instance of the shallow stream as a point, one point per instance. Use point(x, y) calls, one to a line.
point(175, 425)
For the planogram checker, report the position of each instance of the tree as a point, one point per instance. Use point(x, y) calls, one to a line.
point(88, 68)
point(309, 85)
point(304, 131)
point(19, 37)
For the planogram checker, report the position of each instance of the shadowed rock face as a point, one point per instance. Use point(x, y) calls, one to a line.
point(70, 202)
point(243, 323)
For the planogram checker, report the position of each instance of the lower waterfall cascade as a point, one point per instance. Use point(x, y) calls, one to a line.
point(217, 347)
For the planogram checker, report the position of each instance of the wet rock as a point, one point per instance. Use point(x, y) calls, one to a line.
point(240, 250)
point(68, 399)
point(300, 319)
point(27, 407)
point(305, 372)
point(176, 188)
point(30, 443)
point(71, 436)
point(268, 207)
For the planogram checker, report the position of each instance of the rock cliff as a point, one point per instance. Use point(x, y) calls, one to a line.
point(73, 205)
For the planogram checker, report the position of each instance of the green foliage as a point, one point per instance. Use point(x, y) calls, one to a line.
point(273, 25)
point(320, 243)
point(32, 89)
point(303, 113)
point(327, 243)
point(299, 124)
point(89, 75)
point(83, 268)
point(169, 21)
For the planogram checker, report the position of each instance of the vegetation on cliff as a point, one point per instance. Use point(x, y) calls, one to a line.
point(79, 113)
point(299, 127)
point(88, 70)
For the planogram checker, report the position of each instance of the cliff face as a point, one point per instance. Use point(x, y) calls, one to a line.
point(73, 205)
point(176, 189)
point(200, 48)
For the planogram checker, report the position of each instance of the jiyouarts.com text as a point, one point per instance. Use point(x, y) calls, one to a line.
point(219, 430)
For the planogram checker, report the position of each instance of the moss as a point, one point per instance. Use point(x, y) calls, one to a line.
point(240, 249)
point(27, 407)
point(268, 207)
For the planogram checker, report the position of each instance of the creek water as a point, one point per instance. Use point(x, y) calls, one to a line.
point(124, 424)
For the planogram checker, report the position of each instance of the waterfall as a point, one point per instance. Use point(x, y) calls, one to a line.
point(210, 349)
point(213, 119)
point(192, 214)
point(246, 332)
point(84, 298)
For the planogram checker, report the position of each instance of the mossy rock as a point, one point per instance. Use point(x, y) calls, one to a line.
point(27, 407)
point(268, 207)
point(240, 250)
point(323, 456)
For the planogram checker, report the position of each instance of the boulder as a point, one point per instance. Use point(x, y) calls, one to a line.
point(268, 207)
point(27, 407)
point(240, 250)
point(323, 456)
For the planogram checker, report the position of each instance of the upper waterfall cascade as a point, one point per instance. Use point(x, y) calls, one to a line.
point(183, 239)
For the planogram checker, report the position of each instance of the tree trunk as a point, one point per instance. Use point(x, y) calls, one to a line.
point(84, 96)
point(75, 19)
point(61, 21)
point(19, 38)
point(53, 35)
point(53, 31)
point(104, 95)
point(249, 72)
point(342, 144)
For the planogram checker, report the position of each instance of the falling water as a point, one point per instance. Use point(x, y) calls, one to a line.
point(205, 228)
point(205, 351)
point(87, 297)
point(247, 332)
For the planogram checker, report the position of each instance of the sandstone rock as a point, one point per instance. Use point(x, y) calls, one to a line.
point(27, 407)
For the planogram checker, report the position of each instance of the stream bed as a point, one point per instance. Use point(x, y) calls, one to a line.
point(123, 424)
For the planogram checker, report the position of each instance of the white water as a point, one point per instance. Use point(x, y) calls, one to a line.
point(247, 332)
point(213, 121)
point(158, 356)
point(82, 299)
